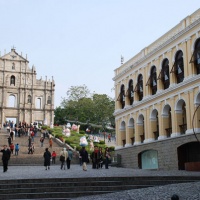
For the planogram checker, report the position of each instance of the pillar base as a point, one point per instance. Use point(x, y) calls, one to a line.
point(190, 131)
point(119, 147)
point(136, 143)
point(149, 140)
point(128, 145)
point(159, 91)
point(175, 134)
point(162, 137)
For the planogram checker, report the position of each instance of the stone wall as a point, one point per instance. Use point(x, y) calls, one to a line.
point(167, 152)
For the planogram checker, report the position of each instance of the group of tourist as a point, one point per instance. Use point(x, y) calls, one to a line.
point(20, 130)
point(66, 155)
point(99, 157)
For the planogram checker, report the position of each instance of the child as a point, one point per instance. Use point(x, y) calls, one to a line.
point(16, 149)
point(53, 155)
point(11, 148)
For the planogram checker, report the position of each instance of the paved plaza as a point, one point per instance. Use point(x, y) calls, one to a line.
point(189, 191)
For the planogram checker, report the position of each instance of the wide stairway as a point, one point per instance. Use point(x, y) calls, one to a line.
point(69, 188)
point(36, 158)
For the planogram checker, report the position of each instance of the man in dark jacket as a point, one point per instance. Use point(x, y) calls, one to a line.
point(5, 157)
point(47, 158)
point(84, 156)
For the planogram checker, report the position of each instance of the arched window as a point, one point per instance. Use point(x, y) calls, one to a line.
point(153, 80)
point(13, 66)
point(178, 67)
point(169, 130)
point(29, 99)
point(12, 80)
point(164, 74)
point(12, 99)
point(196, 56)
point(183, 127)
point(121, 96)
point(49, 100)
point(130, 93)
point(140, 87)
point(38, 103)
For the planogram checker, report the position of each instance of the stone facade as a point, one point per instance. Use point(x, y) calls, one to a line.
point(157, 94)
point(22, 96)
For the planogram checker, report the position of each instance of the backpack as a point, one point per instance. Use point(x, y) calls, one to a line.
point(62, 158)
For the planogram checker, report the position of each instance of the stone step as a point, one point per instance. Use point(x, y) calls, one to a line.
point(36, 158)
point(68, 188)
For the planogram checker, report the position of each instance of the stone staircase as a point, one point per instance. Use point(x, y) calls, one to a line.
point(36, 158)
point(69, 188)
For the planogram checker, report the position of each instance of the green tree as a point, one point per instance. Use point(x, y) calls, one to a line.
point(103, 108)
point(59, 116)
point(77, 92)
point(80, 105)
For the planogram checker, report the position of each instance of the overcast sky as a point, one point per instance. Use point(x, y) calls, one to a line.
point(81, 41)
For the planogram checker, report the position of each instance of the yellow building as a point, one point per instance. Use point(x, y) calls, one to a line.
point(157, 97)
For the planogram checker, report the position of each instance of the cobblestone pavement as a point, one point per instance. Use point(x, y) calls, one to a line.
point(189, 191)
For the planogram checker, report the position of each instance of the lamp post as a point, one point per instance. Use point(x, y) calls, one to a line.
point(104, 133)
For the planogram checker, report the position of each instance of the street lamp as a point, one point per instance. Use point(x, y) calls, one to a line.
point(104, 129)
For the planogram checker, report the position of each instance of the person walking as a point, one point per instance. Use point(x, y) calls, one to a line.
point(100, 157)
point(12, 148)
point(107, 157)
point(63, 157)
point(41, 141)
point(31, 149)
point(5, 157)
point(9, 141)
point(50, 142)
point(95, 158)
point(70, 154)
point(12, 134)
point(84, 156)
point(47, 158)
point(53, 156)
point(29, 141)
point(80, 159)
point(32, 136)
point(16, 149)
point(109, 138)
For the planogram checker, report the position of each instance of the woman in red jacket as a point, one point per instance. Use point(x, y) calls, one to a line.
point(53, 156)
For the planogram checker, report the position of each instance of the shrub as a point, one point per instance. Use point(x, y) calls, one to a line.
point(44, 127)
point(82, 132)
point(78, 148)
point(112, 148)
point(101, 142)
point(59, 135)
point(68, 141)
